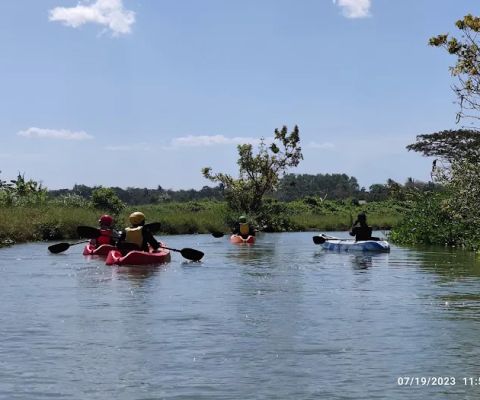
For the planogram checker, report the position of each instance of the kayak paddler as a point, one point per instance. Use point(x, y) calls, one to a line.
point(137, 236)
point(360, 228)
point(107, 234)
point(243, 228)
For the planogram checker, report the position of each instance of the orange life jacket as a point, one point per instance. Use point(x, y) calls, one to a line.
point(105, 237)
point(244, 229)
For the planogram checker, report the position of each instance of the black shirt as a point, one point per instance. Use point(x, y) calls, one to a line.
point(361, 232)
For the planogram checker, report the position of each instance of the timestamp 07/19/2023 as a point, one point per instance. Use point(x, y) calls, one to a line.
point(438, 381)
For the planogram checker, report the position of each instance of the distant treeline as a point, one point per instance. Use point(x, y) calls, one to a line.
point(146, 196)
point(291, 187)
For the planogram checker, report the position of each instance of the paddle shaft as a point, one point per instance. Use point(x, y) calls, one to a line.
point(169, 248)
point(82, 241)
point(190, 254)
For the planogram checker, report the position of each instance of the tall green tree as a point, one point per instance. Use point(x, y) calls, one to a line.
point(467, 67)
point(260, 172)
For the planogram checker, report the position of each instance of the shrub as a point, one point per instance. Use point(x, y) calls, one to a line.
point(107, 200)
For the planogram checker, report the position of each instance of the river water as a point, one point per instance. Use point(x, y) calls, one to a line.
point(281, 319)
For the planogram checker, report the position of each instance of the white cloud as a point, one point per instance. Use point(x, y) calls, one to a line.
point(62, 134)
point(189, 141)
point(325, 145)
point(109, 13)
point(213, 140)
point(354, 8)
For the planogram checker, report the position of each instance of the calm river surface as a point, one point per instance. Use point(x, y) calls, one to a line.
point(281, 319)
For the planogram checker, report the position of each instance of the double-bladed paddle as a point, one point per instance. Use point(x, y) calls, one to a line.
point(82, 231)
point(59, 247)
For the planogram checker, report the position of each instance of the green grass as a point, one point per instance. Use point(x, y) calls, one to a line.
point(340, 222)
point(23, 224)
point(57, 222)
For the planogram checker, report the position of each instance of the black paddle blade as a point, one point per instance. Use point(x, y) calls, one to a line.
point(153, 227)
point(217, 234)
point(318, 239)
point(88, 232)
point(58, 248)
point(191, 254)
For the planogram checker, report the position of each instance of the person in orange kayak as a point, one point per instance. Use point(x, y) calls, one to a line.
point(243, 228)
point(107, 234)
point(137, 236)
point(360, 228)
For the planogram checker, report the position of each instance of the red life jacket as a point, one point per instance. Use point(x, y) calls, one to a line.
point(105, 237)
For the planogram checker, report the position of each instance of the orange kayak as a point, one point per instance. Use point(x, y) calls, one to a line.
point(240, 239)
point(137, 257)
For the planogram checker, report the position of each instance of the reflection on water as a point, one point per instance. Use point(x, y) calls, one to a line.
point(278, 319)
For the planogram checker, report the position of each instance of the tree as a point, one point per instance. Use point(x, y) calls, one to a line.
point(467, 67)
point(449, 145)
point(331, 186)
point(259, 173)
point(378, 192)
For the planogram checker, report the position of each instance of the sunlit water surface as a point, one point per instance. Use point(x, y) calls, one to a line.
point(281, 319)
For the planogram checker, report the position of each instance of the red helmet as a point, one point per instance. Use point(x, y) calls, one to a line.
point(106, 220)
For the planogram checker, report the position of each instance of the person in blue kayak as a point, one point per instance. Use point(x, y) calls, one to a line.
point(107, 234)
point(360, 228)
point(137, 236)
point(243, 228)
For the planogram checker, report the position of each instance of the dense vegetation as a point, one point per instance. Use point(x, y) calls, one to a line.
point(29, 212)
point(451, 217)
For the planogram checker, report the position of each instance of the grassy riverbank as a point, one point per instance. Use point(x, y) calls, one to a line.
point(54, 222)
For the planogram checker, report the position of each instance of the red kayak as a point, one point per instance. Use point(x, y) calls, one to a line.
point(137, 257)
point(240, 239)
point(102, 250)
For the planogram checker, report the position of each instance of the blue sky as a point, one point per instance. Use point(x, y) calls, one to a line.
point(147, 92)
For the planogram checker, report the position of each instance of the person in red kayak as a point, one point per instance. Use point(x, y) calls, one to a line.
point(360, 228)
point(243, 228)
point(107, 234)
point(137, 236)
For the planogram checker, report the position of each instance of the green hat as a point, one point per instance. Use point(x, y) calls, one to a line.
point(243, 218)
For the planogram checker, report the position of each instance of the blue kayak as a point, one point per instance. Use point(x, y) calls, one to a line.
point(337, 244)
